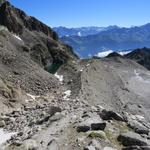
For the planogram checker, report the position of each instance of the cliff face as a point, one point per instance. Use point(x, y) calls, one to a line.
point(39, 38)
point(28, 47)
point(16, 21)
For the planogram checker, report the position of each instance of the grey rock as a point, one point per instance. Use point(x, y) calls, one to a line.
point(52, 110)
point(52, 145)
point(109, 115)
point(98, 126)
point(137, 148)
point(109, 148)
point(133, 139)
point(2, 123)
point(30, 144)
point(41, 121)
point(89, 148)
point(138, 127)
point(17, 143)
point(83, 128)
point(56, 117)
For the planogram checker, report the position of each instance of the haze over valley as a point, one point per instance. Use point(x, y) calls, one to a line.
point(89, 41)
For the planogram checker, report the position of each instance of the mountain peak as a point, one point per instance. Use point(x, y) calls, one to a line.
point(16, 20)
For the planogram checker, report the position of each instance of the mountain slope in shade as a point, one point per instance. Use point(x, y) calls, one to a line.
point(141, 56)
point(114, 39)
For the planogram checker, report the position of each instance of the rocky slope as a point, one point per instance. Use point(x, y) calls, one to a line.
point(28, 46)
point(51, 100)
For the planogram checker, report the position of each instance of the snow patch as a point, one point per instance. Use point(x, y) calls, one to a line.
point(67, 94)
point(124, 52)
point(32, 96)
point(104, 54)
point(81, 69)
point(17, 37)
point(59, 77)
point(4, 136)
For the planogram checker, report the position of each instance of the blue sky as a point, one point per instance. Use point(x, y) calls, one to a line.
point(77, 13)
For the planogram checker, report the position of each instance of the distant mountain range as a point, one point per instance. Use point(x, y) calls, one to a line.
point(83, 31)
point(89, 41)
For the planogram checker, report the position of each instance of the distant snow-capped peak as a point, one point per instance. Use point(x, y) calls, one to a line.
point(106, 53)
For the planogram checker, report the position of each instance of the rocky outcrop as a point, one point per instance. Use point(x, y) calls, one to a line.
point(133, 139)
point(141, 56)
point(16, 21)
point(28, 48)
point(109, 115)
point(114, 54)
point(45, 41)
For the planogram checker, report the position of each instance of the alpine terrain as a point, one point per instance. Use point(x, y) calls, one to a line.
point(100, 39)
point(50, 99)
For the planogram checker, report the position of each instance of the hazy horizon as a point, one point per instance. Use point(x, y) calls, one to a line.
point(102, 26)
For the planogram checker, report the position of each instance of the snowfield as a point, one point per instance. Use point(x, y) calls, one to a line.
point(4, 136)
point(106, 53)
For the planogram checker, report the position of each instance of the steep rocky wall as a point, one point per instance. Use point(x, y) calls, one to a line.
point(40, 40)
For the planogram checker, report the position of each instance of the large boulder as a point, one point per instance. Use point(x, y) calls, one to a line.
point(138, 127)
point(2, 123)
point(98, 126)
point(137, 148)
point(111, 115)
point(83, 128)
point(133, 139)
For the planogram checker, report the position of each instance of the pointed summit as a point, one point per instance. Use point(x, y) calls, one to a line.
point(16, 21)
